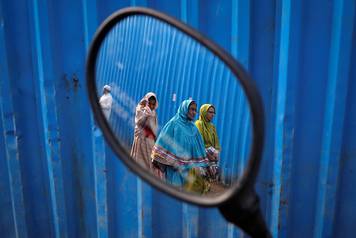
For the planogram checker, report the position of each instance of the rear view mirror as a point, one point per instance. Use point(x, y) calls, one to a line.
point(179, 111)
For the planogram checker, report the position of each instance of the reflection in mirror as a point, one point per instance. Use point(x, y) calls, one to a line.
point(174, 105)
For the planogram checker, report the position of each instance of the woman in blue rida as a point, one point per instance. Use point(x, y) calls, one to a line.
point(179, 151)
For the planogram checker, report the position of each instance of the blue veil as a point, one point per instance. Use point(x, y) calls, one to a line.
point(180, 145)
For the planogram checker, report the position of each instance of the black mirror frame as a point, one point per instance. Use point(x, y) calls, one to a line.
point(246, 182)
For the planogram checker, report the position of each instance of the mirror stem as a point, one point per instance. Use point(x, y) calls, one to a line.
point(243, 210)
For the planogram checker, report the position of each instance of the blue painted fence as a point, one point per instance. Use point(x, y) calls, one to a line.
point(58, 178)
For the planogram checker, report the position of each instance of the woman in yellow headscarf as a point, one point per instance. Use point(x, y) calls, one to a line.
point(210, 137)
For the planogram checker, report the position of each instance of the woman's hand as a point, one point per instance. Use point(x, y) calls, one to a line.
point(211, 157)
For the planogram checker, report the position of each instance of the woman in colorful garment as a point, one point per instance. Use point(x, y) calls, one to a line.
point(145, 130)
point(180, 151)
point(210, 137)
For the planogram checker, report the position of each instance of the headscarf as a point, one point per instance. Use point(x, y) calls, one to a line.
point(150, 94)
point(107, 88)
point(142, 114)
point(207, 129)
point(180, 144)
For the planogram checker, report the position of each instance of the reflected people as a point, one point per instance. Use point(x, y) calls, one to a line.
point(211, 140)
point(145, 132)
point(106, 101)
point(180, 153)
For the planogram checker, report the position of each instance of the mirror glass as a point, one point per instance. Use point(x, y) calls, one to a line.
point(176, 107)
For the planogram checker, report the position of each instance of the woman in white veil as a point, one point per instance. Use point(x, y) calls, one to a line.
point(145, 130)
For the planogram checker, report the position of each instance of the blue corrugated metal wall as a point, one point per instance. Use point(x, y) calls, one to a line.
point(56, 182)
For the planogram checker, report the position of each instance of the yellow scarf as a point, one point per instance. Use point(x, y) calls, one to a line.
point(207, 129)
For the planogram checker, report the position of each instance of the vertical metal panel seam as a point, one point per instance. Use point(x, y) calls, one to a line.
point(284, 133)
point(183, 10)
point(231, 229)
point(10, 136)
point(138, 3)
point(97, 140)
point(45, 92)
point(193, 13)
point(339, 66)
point(289, 115)
point(272, 109)
point(243, 53)
point(240, 48)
